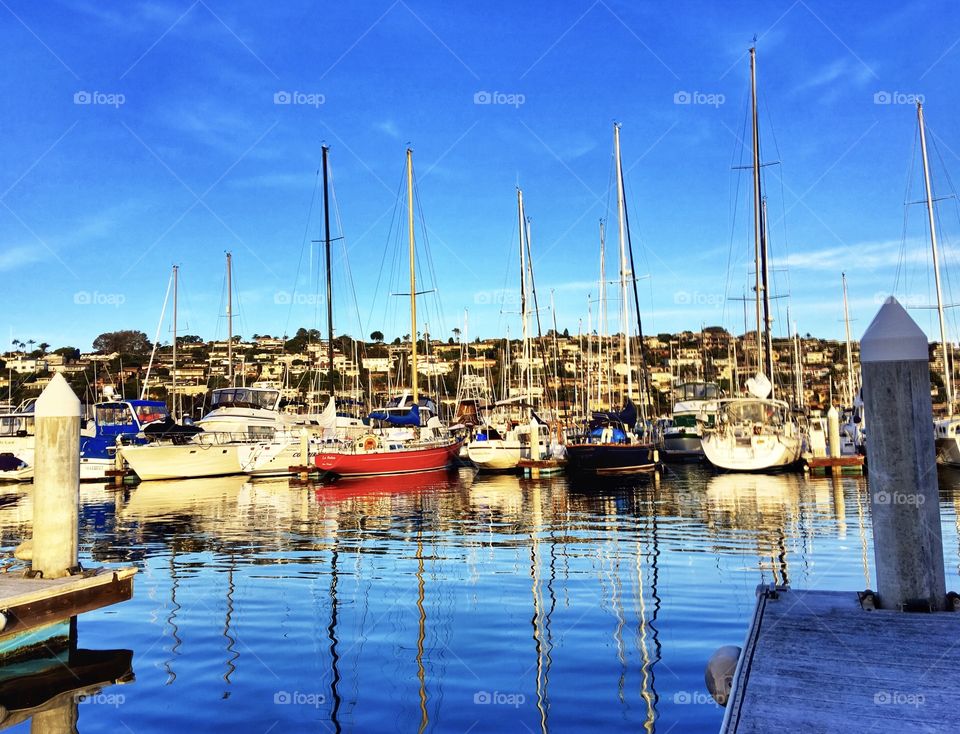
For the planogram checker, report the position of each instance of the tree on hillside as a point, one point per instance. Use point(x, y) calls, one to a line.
point(376, 336)
point(189, 339)
point(43, 347)
point(126, 341)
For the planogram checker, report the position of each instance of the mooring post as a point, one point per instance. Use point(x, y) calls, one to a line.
point(833, 432)
point(56, 480)
point(904, 501)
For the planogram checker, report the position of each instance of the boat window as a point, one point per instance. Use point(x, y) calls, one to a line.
point(754, 412)
point(114, 414)
point(149, 413)
point(245, 397)
point(700, 391)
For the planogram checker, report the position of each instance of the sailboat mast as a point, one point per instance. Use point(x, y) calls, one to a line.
point(936, 261)
point(230, 319)
point(602, 315)
point(756, 196)
point(326, 243)
point(173, 370)
point(527, 376)
point(765, 285)
point(413, 280)
point(846, 320)
point(621, 233)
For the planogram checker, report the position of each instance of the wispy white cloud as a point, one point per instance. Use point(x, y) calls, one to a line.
point(13, 258)
point(388, 127)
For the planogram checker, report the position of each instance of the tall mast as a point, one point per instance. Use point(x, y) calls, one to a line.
point(602, 317)
point(326, 242)
point(413, 280)
point(936, 262)
point(846, 319)
point(756, 197)
point(173, 371)
point(230, 319)
point(527, 377)
point(765, 285)
point(621, 233)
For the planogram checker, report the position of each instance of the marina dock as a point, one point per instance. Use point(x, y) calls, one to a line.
point(29, 603)
point(816, 661)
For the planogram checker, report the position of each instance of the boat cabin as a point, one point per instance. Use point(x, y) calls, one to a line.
point(245, 397)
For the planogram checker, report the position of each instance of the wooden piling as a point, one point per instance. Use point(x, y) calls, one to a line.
point(56, 493)
point(903, 471)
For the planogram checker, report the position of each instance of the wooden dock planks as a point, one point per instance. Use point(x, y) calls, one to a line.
point(815, 661)
point(30, 603)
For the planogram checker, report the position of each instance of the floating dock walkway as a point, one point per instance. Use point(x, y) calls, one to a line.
point(29, 603)
point(817, 661)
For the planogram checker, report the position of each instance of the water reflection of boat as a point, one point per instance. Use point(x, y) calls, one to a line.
point(762, 504)
point(500, 491)
point(180, 497)
point(730, 490)
point(394, 483)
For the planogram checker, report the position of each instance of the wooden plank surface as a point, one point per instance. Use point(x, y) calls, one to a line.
point(16, 589)
point(817, 662)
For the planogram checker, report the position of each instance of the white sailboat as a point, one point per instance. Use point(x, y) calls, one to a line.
point(947, 429)
point(512, 432)
point(756, 433)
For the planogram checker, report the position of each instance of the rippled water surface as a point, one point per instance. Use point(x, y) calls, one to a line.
point(450, 602)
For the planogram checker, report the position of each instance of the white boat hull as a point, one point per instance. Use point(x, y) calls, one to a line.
point(495, 455)
point(186, 461)
point(763, 452)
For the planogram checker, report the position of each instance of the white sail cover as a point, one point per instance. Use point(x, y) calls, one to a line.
point(759, 386)
point(328, 418)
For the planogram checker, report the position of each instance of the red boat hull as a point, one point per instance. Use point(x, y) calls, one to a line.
point(383, 463)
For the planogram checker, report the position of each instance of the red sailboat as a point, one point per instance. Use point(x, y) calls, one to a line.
point(416, 441)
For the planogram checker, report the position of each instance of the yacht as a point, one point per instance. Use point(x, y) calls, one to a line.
point(694, 408)
point(753, 434)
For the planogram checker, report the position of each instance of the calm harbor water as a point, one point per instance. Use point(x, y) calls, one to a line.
point(450, 602)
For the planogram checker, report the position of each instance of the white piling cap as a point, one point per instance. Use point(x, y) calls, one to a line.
point(57, 400)
point(893, 337)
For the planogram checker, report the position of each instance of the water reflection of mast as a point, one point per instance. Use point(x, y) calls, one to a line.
point(174, 608)
point(863, 538)
point(332, 635)
point(421, 630)
point(540, 621)
point(649, 690)
point(228, 617)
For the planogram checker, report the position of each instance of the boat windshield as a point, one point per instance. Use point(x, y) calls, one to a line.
point(114, 414)
point(149, 413)
point(754, 411)
point(700, 391)
point(245, 397)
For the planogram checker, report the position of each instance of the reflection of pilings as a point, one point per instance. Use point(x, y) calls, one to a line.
point(956, 520)
point(861, 523)
point(62, 718)
point(840, 507)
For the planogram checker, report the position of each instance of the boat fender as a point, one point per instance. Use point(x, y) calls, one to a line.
point(719, 673)
point(3, 620)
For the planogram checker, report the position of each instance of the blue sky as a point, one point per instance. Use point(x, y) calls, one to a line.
point(182, 152)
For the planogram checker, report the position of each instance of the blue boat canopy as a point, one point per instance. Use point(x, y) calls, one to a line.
point(626, 417)
point(410, 418)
